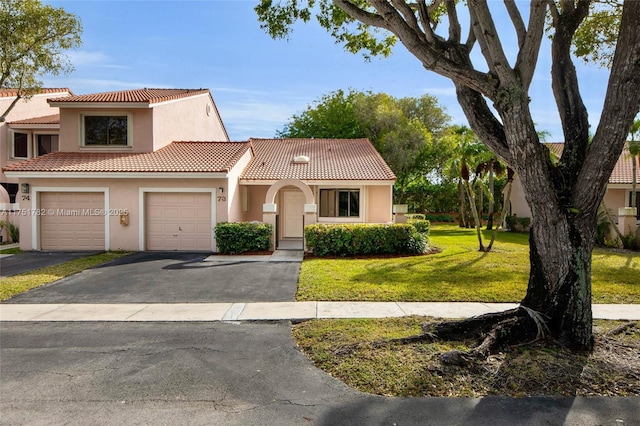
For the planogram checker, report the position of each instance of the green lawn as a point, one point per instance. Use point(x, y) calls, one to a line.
point(458, 273)
point(11, 286)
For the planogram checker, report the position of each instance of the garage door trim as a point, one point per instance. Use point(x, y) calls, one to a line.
point(35, 222)
point(142, 218)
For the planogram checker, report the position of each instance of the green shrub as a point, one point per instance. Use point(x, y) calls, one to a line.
point(518, 224)
point(418, 216)
point(363, 239)
point(241, 237)
point(440, 218)
point(421, 225)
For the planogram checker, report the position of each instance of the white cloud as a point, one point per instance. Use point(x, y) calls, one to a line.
point(85, 58)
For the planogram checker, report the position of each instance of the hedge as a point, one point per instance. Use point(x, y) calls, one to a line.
point(363, 239)
point(241, 237)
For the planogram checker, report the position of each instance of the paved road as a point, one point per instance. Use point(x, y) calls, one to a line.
point(227, 374)
point(156, 277)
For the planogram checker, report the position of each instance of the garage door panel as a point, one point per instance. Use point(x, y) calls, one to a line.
point(178, 221)
point(74, 231)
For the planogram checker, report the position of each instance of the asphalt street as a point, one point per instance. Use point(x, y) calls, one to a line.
point(227, 374)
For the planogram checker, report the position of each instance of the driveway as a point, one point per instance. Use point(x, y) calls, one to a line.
point(28, 261)
point(175, 277)
point(227, 374)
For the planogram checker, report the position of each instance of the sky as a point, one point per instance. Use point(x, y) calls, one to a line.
point(259, 83)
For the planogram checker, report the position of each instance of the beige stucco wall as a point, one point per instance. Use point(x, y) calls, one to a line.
point(375, 208)
point(232, 192)
point(519, 205)
point(123, 194)
point(256, 195)
point(614, 198)
point(37, 106)
point(141, 131)
point(187, 120)
point(379, 206)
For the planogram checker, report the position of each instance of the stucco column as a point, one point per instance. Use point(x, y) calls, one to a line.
point(399, 213)
point(627, 220)
point(269, 216)
point(310, 217)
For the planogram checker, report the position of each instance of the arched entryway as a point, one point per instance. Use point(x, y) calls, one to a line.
point(289, 205)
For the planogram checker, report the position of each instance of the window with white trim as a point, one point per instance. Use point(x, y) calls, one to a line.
point(106, 130)
point(19, 144)
point(339, 203)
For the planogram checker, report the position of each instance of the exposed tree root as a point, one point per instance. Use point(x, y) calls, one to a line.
point(494, 331)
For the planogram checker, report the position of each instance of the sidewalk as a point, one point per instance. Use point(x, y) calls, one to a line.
point(260, 311)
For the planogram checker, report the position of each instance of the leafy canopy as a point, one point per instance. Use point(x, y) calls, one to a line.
point(404, 130)
point(34, 40)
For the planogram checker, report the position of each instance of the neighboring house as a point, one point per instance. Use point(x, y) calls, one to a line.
point(30, 129)
point(619, 188)
point(153, 169)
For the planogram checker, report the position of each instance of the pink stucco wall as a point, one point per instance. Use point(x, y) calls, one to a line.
point(187, 120)
point(123, 194)
point(141, 131)
point(379, 206)
point(614, 198)
point(37, 106)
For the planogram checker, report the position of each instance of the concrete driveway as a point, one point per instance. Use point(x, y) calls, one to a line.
point(174, 277)
point(227, 374)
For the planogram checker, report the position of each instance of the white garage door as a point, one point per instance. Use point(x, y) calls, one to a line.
point(178, 221)
point(73, 221)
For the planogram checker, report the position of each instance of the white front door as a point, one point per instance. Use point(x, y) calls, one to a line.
point(293, 213)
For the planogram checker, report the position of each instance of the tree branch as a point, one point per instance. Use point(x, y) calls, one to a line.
point(358, 14)
point(530, 47)
point(490, 42)
point(516, 19)
point(618, 112)
point(409, 16)
point(454, 23)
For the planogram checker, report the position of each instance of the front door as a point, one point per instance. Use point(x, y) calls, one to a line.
point(293, 213)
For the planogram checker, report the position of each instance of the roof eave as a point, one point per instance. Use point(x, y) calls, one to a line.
point(117, 175)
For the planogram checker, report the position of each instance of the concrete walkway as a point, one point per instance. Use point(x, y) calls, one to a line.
point(269, 311)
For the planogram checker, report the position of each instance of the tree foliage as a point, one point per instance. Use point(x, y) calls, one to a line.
point(405, 131)
point(34, 40)
point(492, 74)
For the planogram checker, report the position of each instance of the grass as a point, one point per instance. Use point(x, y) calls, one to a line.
point(16, 284)
point(458, 273)
point(12, 250)
point(343, 349)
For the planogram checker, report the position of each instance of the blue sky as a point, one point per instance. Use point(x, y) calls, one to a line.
point(259, 83)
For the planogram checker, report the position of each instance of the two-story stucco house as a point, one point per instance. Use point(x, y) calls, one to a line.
point(153, 169)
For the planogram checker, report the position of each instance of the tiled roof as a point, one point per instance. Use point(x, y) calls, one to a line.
point(329, 159)
point(178, 157)
point(9, 92)
point(47, 119)
point(623, 170)
point(145, 95)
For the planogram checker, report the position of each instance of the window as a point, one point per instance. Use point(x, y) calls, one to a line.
point(20, 145)
point(106, 130)
point(339, 203)
point(637, 205)
point(46, 144)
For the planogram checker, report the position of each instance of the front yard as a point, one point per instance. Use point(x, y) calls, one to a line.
point(351, 349)
point(458, 273)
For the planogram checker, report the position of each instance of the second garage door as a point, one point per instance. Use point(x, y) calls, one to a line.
point(178, 221)
point(73, 221)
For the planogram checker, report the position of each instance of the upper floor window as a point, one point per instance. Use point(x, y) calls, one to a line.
point(20, 144)
point(339, 203)
point(46, 144)
point(105, 130)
